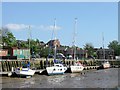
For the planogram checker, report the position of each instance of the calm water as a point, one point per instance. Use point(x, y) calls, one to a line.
point(107, 78)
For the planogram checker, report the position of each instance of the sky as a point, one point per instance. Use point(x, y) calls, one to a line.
point(93, 19)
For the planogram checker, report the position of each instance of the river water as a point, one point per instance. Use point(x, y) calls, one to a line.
point(106, 78)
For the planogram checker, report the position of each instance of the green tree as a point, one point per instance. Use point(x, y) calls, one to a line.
point(44, 52)
point(115, 46)
point(23, 45)
point(90, 49)
point(9, 40)
point(37, 42)
point(33, 46)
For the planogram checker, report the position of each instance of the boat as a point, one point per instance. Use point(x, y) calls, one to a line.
point(24, 71)
point(77, 67)
point(106, 65)
point(57, 67)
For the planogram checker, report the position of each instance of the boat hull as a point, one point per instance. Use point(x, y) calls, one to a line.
point(76, 69)
point(106, 65)
point(25, 72)
point(55, 70)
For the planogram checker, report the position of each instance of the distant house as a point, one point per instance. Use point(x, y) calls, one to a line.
point(3, 52)
point(41, 43)
point(21, 53)
point(79, 53)
point(68, 52)
point(52, 43)
point(107, 53)
point(18, 53)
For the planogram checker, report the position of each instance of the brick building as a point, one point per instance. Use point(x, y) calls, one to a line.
point(107, 53)
point(52, 43)
point(67, 51)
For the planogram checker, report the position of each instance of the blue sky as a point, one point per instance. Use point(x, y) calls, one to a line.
point(93, 19)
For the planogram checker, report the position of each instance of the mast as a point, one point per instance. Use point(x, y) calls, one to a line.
point(54, 38)
point(74, 34)
point(103, 46)
point(29, 41)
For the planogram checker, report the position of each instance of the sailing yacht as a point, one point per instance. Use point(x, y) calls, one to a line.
point(106, 64)
point(57, 68)
point(77, 67)
point(25, 69)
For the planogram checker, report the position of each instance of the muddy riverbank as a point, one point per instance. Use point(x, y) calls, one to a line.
point(106, 78)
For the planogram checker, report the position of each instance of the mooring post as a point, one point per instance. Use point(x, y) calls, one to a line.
point(12, 69)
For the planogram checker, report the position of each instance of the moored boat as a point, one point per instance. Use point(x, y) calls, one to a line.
point(106, 65)
point(77, 67)
point(24, 70)
point(56, 69)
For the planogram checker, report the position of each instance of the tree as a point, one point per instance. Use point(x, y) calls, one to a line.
point(22, 44)
point(4, 31)
point(9, 39)
point(90, 49)
point(115, 46)
point(37, 42)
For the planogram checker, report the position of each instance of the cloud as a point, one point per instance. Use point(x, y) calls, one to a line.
point(23, 26)
point(48, 27)
point(16, 26)
point(56, 28)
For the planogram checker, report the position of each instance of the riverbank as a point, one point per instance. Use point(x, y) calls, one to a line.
point(104, 78)
point(7, 65)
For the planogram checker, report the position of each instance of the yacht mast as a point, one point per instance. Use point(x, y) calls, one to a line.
point(103, 46)
point(29, 41)
point(74, 34)
point(54, 38)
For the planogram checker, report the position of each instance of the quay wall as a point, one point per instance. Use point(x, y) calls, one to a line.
point(6, 65)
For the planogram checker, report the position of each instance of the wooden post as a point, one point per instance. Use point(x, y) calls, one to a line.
point(0, 67)
point(14, 64)
point(41, 64)
point(5, 66)
point(50, 63)
point(44, 65)
point(9, 66)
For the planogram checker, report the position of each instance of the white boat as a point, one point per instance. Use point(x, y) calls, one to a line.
point(25, 72)
point(106, 65)
point(77, 67)
point(56, 69)
point(25, 69)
